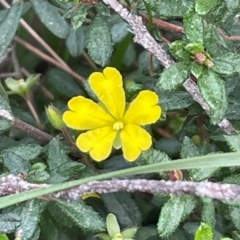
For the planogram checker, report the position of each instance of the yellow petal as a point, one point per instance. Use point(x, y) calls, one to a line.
point(134, 140)
point(143, 109)
point(97, 142)
point(86, 114)
point(108, 87)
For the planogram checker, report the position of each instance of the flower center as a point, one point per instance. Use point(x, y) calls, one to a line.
point(118, 125)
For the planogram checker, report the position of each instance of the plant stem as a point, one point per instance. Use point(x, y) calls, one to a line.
point(31, 131)
point(33, 111)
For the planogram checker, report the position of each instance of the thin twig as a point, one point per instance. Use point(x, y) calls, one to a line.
point(229, 192)
point(164, 24)
point(34, 112)
point(37, 37)
point(231, 38)
point(89, 60)
point(48, 59)
point(144, 38)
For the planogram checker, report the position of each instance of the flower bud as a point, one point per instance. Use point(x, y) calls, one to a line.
point(21, 87)
point(175, 175)
point(55, 117)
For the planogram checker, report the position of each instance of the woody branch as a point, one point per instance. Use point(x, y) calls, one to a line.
point(230, 192)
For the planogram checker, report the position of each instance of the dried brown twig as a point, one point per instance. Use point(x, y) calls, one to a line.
point(144, 38)
point(230, 192)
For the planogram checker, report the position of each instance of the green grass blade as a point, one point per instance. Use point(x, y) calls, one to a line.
point(208, 161)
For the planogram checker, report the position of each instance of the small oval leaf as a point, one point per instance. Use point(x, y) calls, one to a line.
point(222, 66)
point(99, 43)
point(173, 212)
point(75, 41)
point(213, 90)
point(51, 18)
point(9, 26)
point(173, 77)
point(193, 25)
point(202, 7)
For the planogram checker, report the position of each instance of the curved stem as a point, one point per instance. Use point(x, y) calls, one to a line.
point(33, 111)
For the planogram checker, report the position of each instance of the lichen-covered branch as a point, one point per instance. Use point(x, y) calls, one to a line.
point(12, 185)
point(144, 38)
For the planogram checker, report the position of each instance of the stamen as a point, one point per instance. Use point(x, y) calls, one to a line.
point(118, 125)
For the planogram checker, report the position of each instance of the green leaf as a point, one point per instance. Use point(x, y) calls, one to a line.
point(172, 77)
point(9, 222)
point(29, 214)
point(124, 207)
point(224, 12)
point(75, 41)
point(129, 232)
point(82, 215)
point(233, 141)
point(132, 89)
point(213, 160)
point(124, 53)
point(177, 48)
point(66, 171)
point(223, 67)
point(144, 65)
point(195, 48)
point(233, 112)
point(193, 25)
point(202, 7)
point(79, 15)
point(208, 212)
point(196, 69)
point(171, 147)
point(3, 237)
point(6, 117)
point(49, 228)
point(17, 159)
point(225, 63)
point(3, 13)
point(214, 42)
point(103, 236)
point(64, 83)
point(56, 154)
point(174, 100)
point(89, 91)
point(99, 42)
point(130, 55)
point(61, 166)
point(103, 10)
point(9, 26)
point(112, 225)
point(147, 233)
point(119, 31)
point(51, 18)
point(234, 215)
point(204, 232)
point(37, 173)
point(202, 173)
point(153, 156)
point(175, 210)
point(173, 8)
point(189, 149)
point(213, 90)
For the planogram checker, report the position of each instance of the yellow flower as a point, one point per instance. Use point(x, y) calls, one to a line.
point(110, 123)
